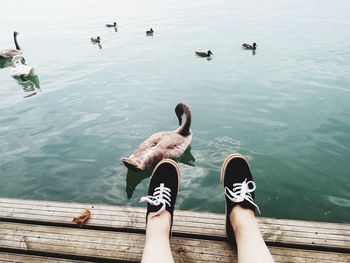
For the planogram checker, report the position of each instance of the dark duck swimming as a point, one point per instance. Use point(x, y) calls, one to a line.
point(204, 54)
point(149, 32)
point(250, 47)
point(112, 25)
point(163, 145)
point(95, 40)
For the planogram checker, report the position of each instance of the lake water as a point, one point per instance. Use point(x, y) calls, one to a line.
point(286, 106)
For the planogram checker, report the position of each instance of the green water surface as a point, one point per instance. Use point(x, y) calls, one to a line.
point(286, 106)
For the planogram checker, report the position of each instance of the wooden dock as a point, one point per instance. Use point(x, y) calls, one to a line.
point(42, 231)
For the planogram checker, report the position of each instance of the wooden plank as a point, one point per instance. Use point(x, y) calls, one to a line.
point(106, 210)
point(127, 246)
point(15, 258)
point(274, 230)
point(51, 208)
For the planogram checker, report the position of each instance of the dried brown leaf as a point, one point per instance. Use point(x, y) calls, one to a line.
point(83, 218)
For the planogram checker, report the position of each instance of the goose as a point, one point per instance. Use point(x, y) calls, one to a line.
point(19, 68)
point(162, 145)
point(95, 40)
point(112, 25)
point(251, 47)
point(150, 32)
point(204, 54)
point(10, 53)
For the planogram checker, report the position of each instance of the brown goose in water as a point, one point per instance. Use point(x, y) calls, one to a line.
point(10, 53)
point(163, 145)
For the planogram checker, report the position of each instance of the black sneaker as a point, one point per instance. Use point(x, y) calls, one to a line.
point(237, 180)
point(163, 188)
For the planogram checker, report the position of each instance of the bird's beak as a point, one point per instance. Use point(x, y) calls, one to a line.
point(180, 120)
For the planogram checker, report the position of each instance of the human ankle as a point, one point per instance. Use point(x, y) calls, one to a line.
point(162, 221)
point(241, 217)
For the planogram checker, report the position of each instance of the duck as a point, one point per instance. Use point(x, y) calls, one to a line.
point(20, 68)
point(150, 32)
point(204, 54)
point(95, 40)
point(112, 25)
point(247, 46)
point(163, 145)
point(10, 53)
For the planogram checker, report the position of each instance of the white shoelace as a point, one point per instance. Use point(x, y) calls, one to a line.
point(241, 192)
point(161, 195)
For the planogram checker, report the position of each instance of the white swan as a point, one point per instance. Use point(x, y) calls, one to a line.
point(19, 68)
point(10, 53)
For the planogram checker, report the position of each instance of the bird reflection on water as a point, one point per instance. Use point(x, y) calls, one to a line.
point(133, 179)
point(5, 62)
point(187, 157)
point(30, 85)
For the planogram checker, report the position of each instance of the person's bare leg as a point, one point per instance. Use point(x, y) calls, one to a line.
point(241, 226)
point(157, 246)
point(251, 246)
point(161, 199)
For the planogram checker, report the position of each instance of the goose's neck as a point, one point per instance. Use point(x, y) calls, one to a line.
point(185, 128)
point(16, 43)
